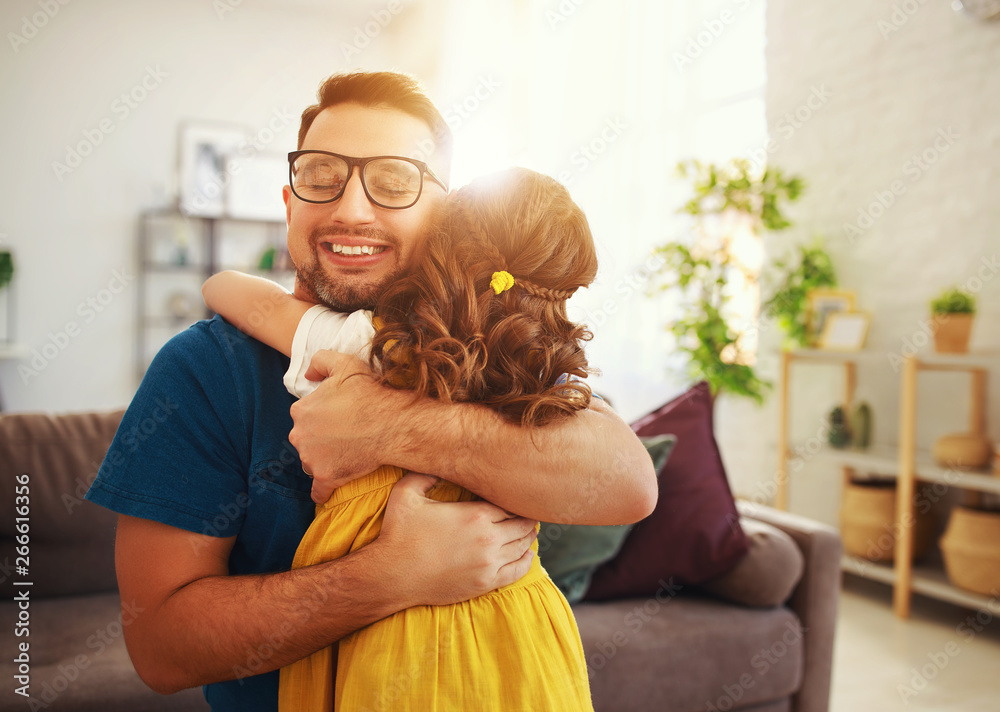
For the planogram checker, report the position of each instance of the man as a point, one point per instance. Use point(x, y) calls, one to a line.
point(214, 499)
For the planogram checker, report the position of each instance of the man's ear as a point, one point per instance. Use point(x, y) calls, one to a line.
point(286, 195)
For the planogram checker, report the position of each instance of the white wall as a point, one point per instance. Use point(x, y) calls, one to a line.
point(888, 97)
point(898, 77)
point(73, 233)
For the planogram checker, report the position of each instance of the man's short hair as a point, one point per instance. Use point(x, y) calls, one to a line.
point(392, 90)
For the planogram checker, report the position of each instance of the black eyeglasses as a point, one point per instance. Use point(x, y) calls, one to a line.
point(390, 182)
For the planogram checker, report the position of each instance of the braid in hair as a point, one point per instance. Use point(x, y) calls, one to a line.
point(478, 232)
point(447, 334)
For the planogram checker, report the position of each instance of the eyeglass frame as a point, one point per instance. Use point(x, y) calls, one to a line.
point(361, 163)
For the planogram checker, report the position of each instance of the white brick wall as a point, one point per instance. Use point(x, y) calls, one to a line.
point(900, 77)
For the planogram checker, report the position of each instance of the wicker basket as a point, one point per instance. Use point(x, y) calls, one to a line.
point(867, 522)
point(971, 549)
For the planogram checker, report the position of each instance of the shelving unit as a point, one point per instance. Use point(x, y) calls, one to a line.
point(177, 252)
point(906, 462)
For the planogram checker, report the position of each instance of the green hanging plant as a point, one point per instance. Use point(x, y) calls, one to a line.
point(809, 268)
point(726, 198)
point(735, 186)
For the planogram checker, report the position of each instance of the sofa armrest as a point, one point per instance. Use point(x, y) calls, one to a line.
point(814, 599)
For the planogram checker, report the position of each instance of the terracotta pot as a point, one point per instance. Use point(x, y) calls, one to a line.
point(971, 550)
point(867, 522)
point(951, 335)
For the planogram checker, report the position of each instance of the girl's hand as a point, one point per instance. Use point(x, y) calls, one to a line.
point(344, 428)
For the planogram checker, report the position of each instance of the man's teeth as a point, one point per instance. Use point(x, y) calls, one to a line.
point(356, 249)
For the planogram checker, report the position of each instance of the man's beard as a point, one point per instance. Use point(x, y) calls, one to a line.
point(338, 295)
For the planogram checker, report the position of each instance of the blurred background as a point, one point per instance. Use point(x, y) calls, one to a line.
point(104, 103)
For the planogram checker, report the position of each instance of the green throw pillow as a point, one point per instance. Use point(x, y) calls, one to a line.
point(572, 552)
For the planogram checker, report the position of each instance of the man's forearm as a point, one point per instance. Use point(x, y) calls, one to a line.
point(585, 469)
point(226, 627)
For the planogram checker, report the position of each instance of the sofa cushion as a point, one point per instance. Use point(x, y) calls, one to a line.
point(71, 540)
point(769, 572)
point(571, 553)
point(717, 655)
point(78, 659)
point(693, 534)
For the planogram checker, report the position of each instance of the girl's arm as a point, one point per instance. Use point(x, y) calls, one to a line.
point(256, 306)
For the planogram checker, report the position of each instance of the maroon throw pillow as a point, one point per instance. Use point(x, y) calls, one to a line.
point(694, 533)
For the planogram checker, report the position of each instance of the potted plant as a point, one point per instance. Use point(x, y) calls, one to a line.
point(794, 277)
point(732, 204)
point(6, 275)
point(952, 311)
point(6, 268)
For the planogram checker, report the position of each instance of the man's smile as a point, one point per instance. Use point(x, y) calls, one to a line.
point(353, 249)
point(364, 252)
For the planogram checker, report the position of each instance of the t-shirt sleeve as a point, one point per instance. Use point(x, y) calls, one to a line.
point(322, 328)
point(180, 455)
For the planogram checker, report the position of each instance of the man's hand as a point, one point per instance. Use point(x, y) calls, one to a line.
point(338, 426)
point(446, 552)
point(589, 468)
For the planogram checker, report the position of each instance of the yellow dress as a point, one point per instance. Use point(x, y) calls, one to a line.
point(513, 649)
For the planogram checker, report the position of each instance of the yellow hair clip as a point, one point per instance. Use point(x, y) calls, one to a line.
point(502, 281)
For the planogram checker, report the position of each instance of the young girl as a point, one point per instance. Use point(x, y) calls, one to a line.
point(481, 318)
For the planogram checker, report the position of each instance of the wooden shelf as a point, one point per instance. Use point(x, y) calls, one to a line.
point(884, 460)
point(906, 462)
point(206, 238)
point(929, 359)
point(927, 579)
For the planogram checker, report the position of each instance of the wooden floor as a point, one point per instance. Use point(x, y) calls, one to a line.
point(943, 658)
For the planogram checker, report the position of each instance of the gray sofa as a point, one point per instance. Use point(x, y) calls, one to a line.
point(680, 650)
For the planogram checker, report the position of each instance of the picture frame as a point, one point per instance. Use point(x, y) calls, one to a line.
point(845, 331)
point(821, 303)
point(203, 149)
point(254, 191)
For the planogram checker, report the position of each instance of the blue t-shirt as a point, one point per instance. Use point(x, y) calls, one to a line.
point(204, 447)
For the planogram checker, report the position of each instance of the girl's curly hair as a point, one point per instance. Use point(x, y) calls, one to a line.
point(445, 333)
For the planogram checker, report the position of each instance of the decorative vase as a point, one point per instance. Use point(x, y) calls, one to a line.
point(861, 426)
point(952, 332)
point(839, 435)
point(867, 522)
point(963, 450)
point(971, 550)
